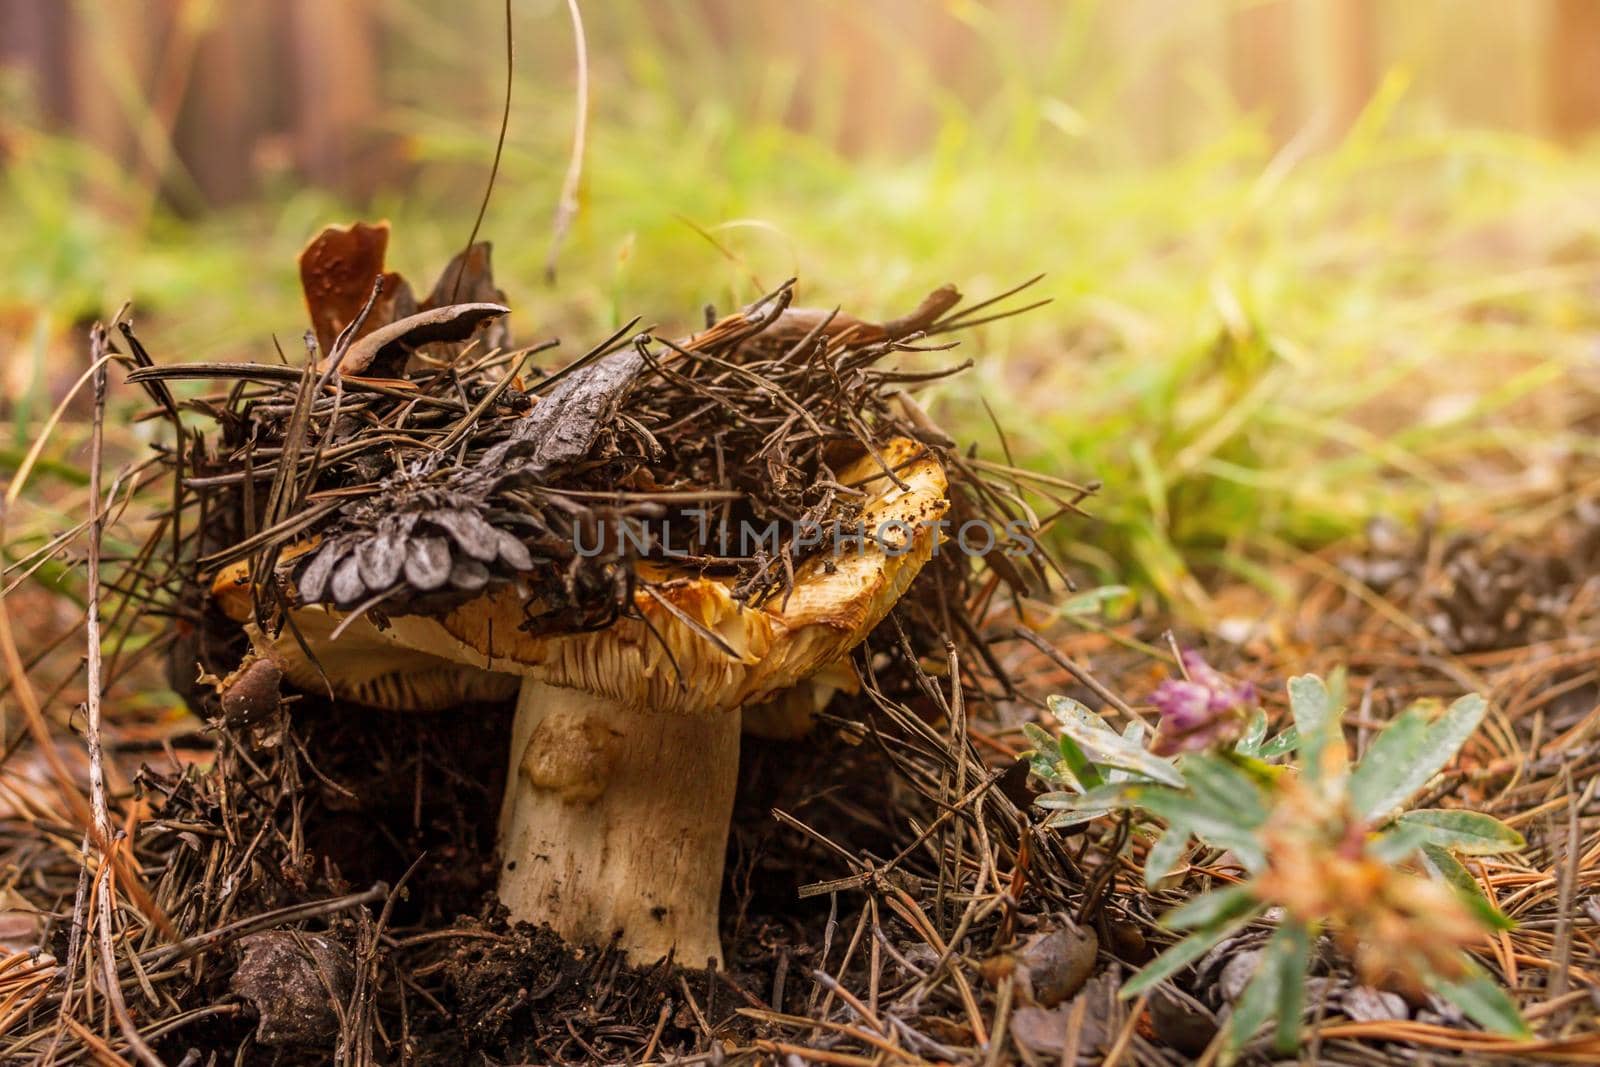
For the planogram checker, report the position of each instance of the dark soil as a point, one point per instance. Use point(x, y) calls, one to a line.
point(413, 800)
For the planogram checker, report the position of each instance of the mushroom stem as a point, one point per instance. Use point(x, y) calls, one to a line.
point(615, 822)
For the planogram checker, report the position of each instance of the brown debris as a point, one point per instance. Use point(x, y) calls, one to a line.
point(337, 269)
point(297, 983)
point(447, 480)
point(250, 694)
point(1053, 964)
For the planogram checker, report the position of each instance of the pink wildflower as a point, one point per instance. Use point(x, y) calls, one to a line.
point(1200, 712)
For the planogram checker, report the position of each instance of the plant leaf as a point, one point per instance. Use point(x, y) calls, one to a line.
point(1276, 989)
point(1390, 763)
point(1108, 795)
point(1075, 817)
point(1317, 708)
point(1292, 959)
point(1208, 909)
point(1287, 741)
point(1041, 758)
point(1084, 807)
point(1164, 854)
point(1255, 732)
point(1079, 764)
point(1222, 787)
point(1483, 1001)
point(1072, 713)
point(1398, 843)
point(1469, 832)
point(1182, 954)
point(1093, 601)
point(1103, 747)
point(1257, 1003)
point(1040, 738)
point(1263, 774)
point(1216, 826)
point(1409, 752)
point(1309, 703)
point(1445, 867)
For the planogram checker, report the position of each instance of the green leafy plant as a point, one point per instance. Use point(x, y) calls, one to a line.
point(1327, 843)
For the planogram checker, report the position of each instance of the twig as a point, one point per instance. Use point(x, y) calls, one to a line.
point(1094, 684)
point(567, 206)
point(494, 168)
point(92, 708)
point(1561, 958)
point(1120, 1045)
point(169, 954)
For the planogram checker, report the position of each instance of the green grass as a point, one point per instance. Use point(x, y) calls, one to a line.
point(1248, 350)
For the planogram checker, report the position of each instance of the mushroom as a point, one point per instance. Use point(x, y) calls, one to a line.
point(625, 744)
point(790, 714)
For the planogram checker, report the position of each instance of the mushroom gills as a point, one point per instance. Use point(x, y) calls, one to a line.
point(366, 666)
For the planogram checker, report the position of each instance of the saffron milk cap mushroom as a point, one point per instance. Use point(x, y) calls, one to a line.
point(625, 744)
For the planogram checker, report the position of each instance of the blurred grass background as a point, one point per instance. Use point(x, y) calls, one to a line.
point(1312, 261)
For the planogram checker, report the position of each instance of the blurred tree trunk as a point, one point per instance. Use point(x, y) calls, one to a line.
point(224, 121)
point(119, 35)
point(1350, 37)
point(1573, 63)
point(36, 36)
point(335, 49)
point(1262, 64)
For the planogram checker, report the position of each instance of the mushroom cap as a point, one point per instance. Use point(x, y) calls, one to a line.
point(230, 588)
point(362, 663)
point(663, 658)
point(691, 647)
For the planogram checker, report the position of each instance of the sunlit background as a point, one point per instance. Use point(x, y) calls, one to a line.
point(1311, 260)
